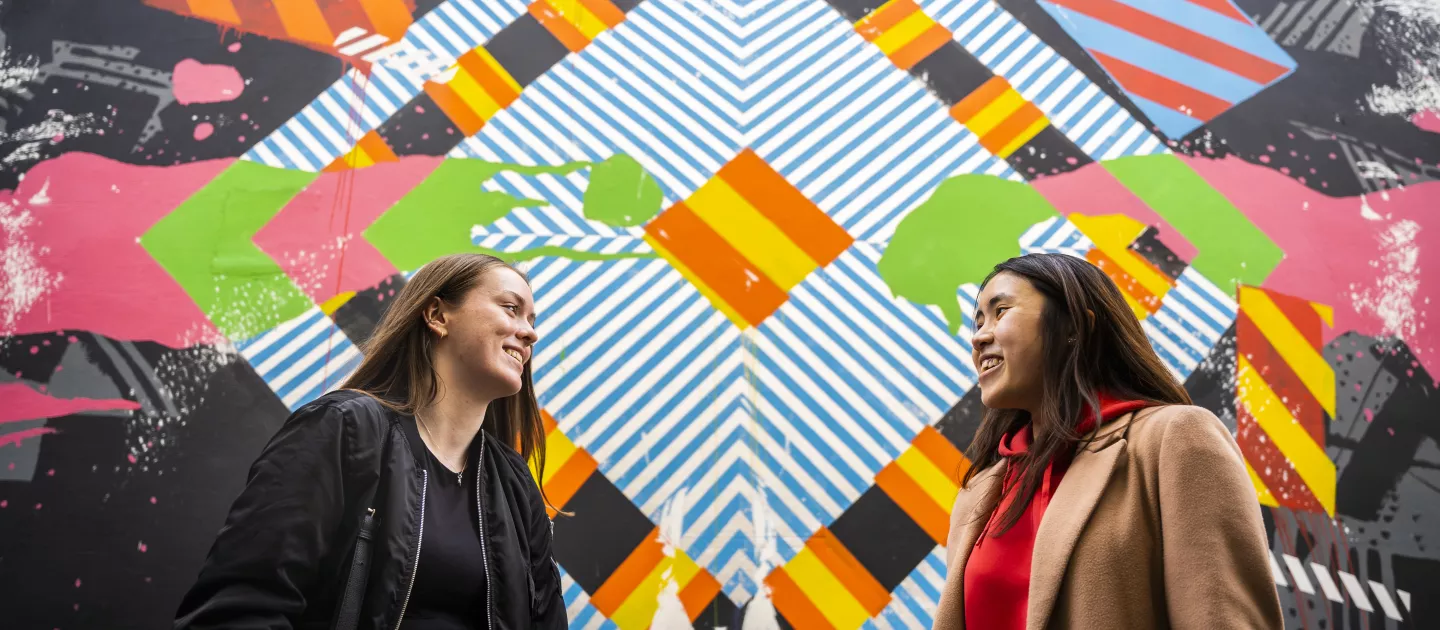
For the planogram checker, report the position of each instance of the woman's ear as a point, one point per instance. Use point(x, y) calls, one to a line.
point(435, 316)
point(1091, 315)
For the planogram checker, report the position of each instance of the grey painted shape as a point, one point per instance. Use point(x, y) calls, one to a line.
point(1328, 23)
point(110, 66)
point(1274, 15)
point(78, 377)
point(1347, 41)
point(17, 461)
point(1298, 31)
point(1290, 17)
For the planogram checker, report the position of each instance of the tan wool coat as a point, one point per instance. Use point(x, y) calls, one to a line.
point(1154, 525)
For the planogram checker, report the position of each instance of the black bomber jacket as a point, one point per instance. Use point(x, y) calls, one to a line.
point(283, 556)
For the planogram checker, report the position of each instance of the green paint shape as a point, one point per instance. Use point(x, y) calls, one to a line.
point(968, 225)
point(436, 217)
point(559, 252)
point(206, 245)
point(1231, 248)
point(621, 193)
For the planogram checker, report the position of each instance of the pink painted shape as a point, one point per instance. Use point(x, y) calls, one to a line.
point(1328, 244)
point(313, 221)
point(16, 437)
point(23, 403)
point(204, 130)
point(97, 211)
point(196, 82)
point(1093, 191)
point(1427, 120)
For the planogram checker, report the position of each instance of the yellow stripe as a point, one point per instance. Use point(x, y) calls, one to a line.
point(1308, 458)
point(1135, 306)
point(751, 234)
point(333, 304)
point(715, 300)
point(1262, 493)
point(576, 14)
point(1024, 137)
point(500, 70)
point(825, 591)
point(558, 449)
point(1113, 234)
point(1325, 312)
point(929, 477)
point(1305, 360)
point(640, 605)
point(903, 32)
point(996, 112)
point(474, 96)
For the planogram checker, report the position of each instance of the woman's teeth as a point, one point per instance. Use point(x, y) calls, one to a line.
point(515, 354)
point(990, 363)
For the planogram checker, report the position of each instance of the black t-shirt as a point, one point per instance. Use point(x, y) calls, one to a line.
point(449, 592)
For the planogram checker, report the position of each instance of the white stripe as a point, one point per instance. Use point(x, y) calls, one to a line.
point(1386, 604)
point(349, 34)
point(1357, 592)
point(375, 39)
point(1327, 585)
point(1297, 572)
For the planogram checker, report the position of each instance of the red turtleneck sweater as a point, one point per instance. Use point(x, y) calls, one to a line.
point(997, 575)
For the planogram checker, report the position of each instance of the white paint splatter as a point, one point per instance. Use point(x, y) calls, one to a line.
point(1368, 212)
point(1376, 170)
point(23, 280)
point(41, 198)
point(760, 612)
point(1407, 39)
point(15, 74)
point(56, 127)
point(670, 611)
point(1392, 297)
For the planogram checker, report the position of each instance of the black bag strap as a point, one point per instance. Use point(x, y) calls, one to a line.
point(348, 615)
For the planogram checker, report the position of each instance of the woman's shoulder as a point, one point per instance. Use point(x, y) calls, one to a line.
point(347, 407)
point(1153, 427)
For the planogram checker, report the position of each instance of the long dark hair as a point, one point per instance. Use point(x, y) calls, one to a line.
point(399, 365)
point(1109, 354)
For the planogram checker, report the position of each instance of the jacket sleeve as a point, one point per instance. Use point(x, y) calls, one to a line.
point(267, 555)
point(547, 599)
point(1216, 557)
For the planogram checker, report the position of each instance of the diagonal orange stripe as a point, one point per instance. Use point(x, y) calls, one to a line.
point(792, 603)
point(608, 13)
point(222, 11)
point(885, 17)
point(564, 31)
point(913, 500)
point(815, 233)
point(1302, 316)
point(455, 109)
point(376, 148)
point(698, 594)
point(389, 17)
point(563, 485)
point(608, 598)
point(921, 47)
point(737, 281)
point(846, 568)
point(548, 421)
point(1271, 465)
point(1004, 133)
point(304, 21)
point(977, 100)
point(1127, 284)
point(942, 453)
point(1282, 379)
point(491, 82)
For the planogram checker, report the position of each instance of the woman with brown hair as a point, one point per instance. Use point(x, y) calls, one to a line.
point(405, 498)
point(1097, 496)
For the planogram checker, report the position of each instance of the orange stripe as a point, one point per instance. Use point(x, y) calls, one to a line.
point(304, 21)
point(548, 421)
point(914, 501)
point(921, 47)
point(459, 113)
point(941, 452)
point(389, 17)
point(1176, 96)
point(608, 598)
point(736, 280)
point(376, 148)
point(819, 236)
point(608, 13)
point(846, 568)
point(791, 602)
point(977, 100)
point(222, 11)
point(698, 594)
point(890, 14)
point(483, 74)
point(564, 31)
point(1178, 38)
point(1300, 403)
point(1123, 280)
point(1003, 133)
point(563, 485)
point(1301, 315)
point(1271, 465)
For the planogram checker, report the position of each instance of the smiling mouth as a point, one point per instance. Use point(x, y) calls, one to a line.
point(990, 364)
point(515, 354)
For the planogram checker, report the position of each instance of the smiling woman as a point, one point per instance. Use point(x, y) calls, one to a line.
point(418, 462)
point(1098, 497)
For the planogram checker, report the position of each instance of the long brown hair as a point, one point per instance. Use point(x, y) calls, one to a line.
point(399, 365)
point(1109, 353)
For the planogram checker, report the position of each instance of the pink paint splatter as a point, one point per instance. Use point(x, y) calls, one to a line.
point(142, 547)
point(1369, 415)
point(1265, 159)
point(244, 116)
point(77, 582)
point(4, 504)
point(419, 109)
point(204, 130)
point(197, 82)
point(1428, 120)
point(241, 138)
point(152, 500)
point(131, 457)
point(235, 47)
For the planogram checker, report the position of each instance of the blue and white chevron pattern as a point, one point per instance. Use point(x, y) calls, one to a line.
point(512, 243)
point(303, 358)
point(565, 212)
point(1074, 104)
point(683, 88)
point(913, 603)
point(578, 610)
point(1055, 236)
point(355, 104)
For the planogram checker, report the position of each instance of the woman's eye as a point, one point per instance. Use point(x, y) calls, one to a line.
point(510, 307)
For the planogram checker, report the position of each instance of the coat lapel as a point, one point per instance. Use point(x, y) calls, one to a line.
point(1064, 519)
point(951, 614)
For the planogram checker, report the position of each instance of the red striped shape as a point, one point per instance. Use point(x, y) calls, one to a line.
point(1223, 7)
point(1178, 38)
point(1281, 378)
point(1272, 466)
point(1164, 91)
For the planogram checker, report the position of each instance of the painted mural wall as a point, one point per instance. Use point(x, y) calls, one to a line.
point(754, 229)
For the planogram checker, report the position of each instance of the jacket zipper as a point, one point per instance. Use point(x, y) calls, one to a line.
point(480, 518)
point(420, 540)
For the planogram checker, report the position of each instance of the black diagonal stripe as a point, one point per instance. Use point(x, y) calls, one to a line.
point(886, 541)
point(951, 73)
point(856, 10)
point(605, 528)
point(420, 128)
point(720, 613)
point(960, 423)
point(1050, 152)
point(1150, 247)
point(357, 317)
point(526, 49)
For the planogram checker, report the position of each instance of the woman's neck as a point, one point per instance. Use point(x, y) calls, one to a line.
point(452, 421)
